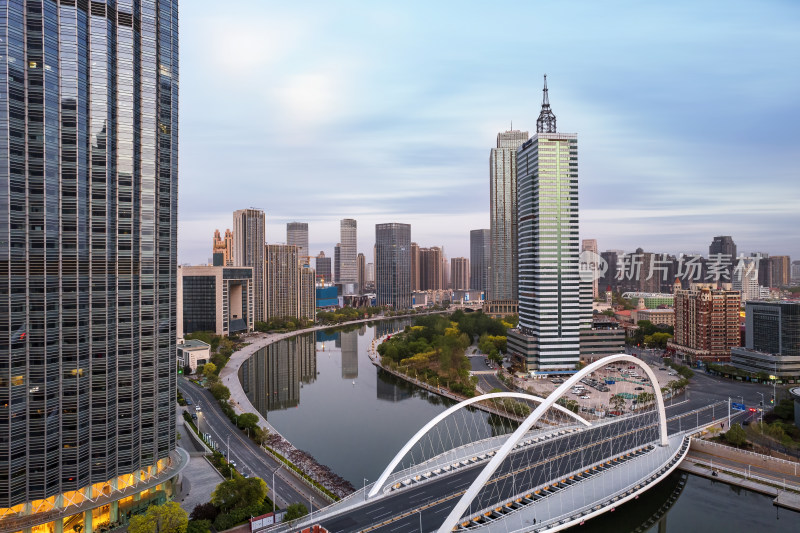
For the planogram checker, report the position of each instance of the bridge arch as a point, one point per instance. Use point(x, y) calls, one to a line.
point(441, 416)
point(472, 492)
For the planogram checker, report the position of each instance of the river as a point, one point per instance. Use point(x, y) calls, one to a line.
point(322, 393)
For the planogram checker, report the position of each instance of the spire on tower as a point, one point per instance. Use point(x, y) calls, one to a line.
point(546, 122)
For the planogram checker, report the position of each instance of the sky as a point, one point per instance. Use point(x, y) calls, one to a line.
point(687, 116)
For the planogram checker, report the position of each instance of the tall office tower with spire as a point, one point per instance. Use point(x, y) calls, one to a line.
point(348, 230)
point(248, 250)
point(223, 248)
point(549, 248)
point(502, 293)
point(297, 235)
point(393, 265)
point(479, 256)
point(88, 260)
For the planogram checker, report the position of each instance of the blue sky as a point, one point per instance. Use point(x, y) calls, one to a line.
point(687, 115)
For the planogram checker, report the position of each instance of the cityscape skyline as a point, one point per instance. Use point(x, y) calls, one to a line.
point(668, 123)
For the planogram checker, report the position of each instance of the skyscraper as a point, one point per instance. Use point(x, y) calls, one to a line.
point(348, 244)
point(590, 245)
point(223, 248)
point(430, 268)
point(479, 257)
point(392, 264)
point(459, 272)
point(549, 293)
point(297, 235)
point(726, 248)
point(248, 250)
point(502, 295)
point(779, 270)
point(281, 282)
point(416, 283)
point(361, 264)
point(88, 255)
point(323, 268)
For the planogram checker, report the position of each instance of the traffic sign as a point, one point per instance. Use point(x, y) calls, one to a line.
point(738, 406)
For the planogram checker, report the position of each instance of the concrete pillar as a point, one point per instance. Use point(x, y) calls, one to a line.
point(58, 525)
point(87, 521)
point(113, 513)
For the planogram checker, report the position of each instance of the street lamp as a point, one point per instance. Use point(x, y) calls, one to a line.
point(274, 491)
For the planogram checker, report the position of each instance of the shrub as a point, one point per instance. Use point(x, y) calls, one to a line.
point(736, 435)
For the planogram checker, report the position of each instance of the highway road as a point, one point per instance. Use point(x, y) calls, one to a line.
point(413, 508)
point(250, 458)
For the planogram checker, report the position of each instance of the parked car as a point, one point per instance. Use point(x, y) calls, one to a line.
point(639, 388)
point(188, 401)
point(585, 397)
point(194, 416)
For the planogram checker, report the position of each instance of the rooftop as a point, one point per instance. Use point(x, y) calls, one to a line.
point(193, 344)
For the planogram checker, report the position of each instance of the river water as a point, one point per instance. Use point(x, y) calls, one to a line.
point(323, 394)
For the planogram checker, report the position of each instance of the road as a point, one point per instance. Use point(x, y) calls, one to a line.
point(424, 506)
point(250, 458)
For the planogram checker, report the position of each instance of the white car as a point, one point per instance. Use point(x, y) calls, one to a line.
point(585, 397)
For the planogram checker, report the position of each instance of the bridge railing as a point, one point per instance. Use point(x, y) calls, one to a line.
point(745, 473)
point(755, 455)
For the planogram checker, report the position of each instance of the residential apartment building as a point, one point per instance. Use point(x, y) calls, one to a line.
point(248, 251)
point(706, 322)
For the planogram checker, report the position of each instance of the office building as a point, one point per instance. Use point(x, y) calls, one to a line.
point(393, 265)
point(706, 322)
point(772, 345)
point(723, 248)
point(371, 274)
point(323, 268)
point(605, 337)
point(222, 249)
point(348, 252)
point(218, 299)
point(459, 270)
point(361, 269)
point(297, 235)
point(337, 263)
point(416, 283)
point(88, 253)
point(192, 353)
point(609, 278)
point(745, 278)
point(480, 250)
point(592, 266)
point(248, 251)
point(795, 274)
point(549, 274)
point(779, 270)
point(659, 317)
point(502, 295)
point(285, 280)
point(430, 269)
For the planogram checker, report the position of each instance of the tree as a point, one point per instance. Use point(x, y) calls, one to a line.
point(248, 421)
point(294, 511)
point(204, 511)
point(220, 391)
point(210, 371)
point(736, 435)
point(199, 526)
point(239, 492)
point(618, 401)
point(167, 518)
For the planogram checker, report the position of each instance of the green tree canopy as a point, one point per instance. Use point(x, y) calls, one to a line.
point(736, 435)
point(219, 391)
point(248, 421)
point(239, 492)
point(295, 510)
point(167, 518)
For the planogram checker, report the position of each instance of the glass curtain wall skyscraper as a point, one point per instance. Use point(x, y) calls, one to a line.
point(479, 257)
point(393, 264)
point(248, 250)
point(348, 251)
point(549, 248)
point(297, 235)
point(503, 222)
point(88, 255)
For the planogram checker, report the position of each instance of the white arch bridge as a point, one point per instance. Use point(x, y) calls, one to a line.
point(540, 477)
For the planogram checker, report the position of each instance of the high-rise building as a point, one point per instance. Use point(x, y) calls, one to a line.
point(215, 298)
point(590, 245)
point(223, 248)
point(445, 271)
point(393, 265)
point(706, 321)
point(297, 235)
point(416, 282)
point(248, 250)
point(88, 255)
point(502, 297)
point(779, 269)
point(459, 270)
point(430, 268)
point(724, 249)
point(361, 264)
point(281, 281)
point(337, 263)
point(308, 294)
point(348, 251)
point(772, 345)
point(745, 279)
point(549, 248)
point(371, 273)
point(323, 268)
point(480, 250)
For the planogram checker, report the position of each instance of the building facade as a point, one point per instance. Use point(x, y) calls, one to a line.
point(779, 270)
point(480, 250)
point(88, 254)
point(308, 293)
point(416, 283)
point(337, 262)
point(248, 251)
point(323, 268)
point(297, 235)
point(361, 269)
point(706, 322)
point(393, 264)
point(218, 299)
point(282, 282)
point(592, 267)
point(502, 291)
point(348, 230)
point(549, 249)
point(772, 344)
point(459, 273)
point(222, 249)
point(430, 269)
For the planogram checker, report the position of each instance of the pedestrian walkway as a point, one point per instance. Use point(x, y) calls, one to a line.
point(199, 481)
